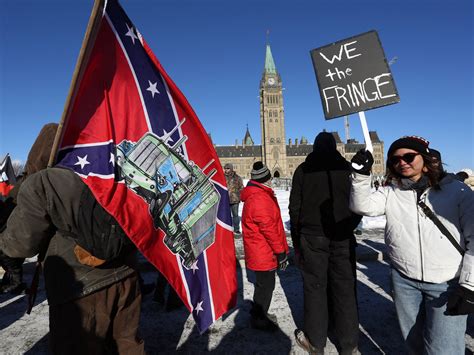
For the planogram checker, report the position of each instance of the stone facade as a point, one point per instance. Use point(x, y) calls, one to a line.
point(281, 157)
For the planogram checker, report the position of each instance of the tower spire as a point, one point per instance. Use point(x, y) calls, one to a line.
point(269, 62)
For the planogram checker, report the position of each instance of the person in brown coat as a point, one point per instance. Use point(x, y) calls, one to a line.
point(234, 186)
point(92, 310)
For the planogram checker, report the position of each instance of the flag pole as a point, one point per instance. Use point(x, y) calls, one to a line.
point(86, 48)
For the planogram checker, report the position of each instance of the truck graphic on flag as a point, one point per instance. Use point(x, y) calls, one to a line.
point(183, 202)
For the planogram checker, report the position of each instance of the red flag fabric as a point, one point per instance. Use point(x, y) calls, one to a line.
point(136, 142)
point(7, 176)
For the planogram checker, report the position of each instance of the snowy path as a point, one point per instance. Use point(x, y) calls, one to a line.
point(171, 332)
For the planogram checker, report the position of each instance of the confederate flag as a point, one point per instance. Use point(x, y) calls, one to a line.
point(133, 138)
point(7, 176)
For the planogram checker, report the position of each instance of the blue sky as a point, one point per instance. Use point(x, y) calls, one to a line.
point(214, 51)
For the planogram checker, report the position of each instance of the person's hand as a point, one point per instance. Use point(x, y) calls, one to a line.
point(461, 301)
point(362, 162)
point(282, 260)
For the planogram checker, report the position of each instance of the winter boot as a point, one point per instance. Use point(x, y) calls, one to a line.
point(259, 320)
point(304, 343)
point(354, 351)
point(273, 318)
point(12, 282)
point(14, 289)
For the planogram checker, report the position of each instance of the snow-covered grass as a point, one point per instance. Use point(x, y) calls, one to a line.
point(283, 197)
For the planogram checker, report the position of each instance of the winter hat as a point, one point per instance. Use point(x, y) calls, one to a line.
point(324, 142)
point(435, 154)
point(416, 143)
point(228, 166)
point(260, 172)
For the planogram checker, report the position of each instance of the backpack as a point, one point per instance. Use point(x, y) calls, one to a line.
point(99, 238)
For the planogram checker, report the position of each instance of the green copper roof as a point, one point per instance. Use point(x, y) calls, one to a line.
point(248, 139)
point(269, 63)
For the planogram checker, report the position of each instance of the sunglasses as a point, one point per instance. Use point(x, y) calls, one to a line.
point(407, 158)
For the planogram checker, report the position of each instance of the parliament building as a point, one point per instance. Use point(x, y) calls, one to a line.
point(281, 156)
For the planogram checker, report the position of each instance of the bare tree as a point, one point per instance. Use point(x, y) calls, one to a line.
point(18, 167)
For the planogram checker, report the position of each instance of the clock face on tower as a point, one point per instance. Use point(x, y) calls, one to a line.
point(271, 81)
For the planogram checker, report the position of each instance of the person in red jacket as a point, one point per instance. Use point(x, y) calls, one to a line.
point(265, 243)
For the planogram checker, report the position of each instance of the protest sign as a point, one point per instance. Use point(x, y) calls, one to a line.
point(353, 75)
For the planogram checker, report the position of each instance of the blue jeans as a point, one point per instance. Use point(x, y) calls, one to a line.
point(234, 208)
point(420, 309)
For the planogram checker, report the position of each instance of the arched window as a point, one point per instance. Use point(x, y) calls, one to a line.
point(270, 113)
point(272, 140)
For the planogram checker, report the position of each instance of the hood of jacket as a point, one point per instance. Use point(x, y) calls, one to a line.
point(254, 187)
point(320, 160)
point(38, 156)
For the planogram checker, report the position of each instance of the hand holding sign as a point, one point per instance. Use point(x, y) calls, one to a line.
point(362, 162)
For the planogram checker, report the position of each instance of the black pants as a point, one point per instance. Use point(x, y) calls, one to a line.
point(264, 286)
point(329, 269)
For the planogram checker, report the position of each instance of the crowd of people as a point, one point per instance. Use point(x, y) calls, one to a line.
point(95, 308)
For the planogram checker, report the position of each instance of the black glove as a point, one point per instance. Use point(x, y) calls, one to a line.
point(362, 162)
point(282, 259)
point(461, 301)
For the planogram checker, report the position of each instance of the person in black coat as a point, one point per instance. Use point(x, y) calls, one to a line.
point(322, 232)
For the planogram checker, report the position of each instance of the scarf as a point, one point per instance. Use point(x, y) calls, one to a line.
point(418, 186)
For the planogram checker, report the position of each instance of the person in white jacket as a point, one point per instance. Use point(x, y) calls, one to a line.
point(432, 279)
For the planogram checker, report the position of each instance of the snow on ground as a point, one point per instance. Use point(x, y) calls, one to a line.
point(283, 197)
point(171, 332)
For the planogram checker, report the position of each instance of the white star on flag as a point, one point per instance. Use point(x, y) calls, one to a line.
point(198, 307)
point(82, 161)
point(168, 138)
point(131, 34)
point(194, 266)
point(112, 158)
point(152, 88)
